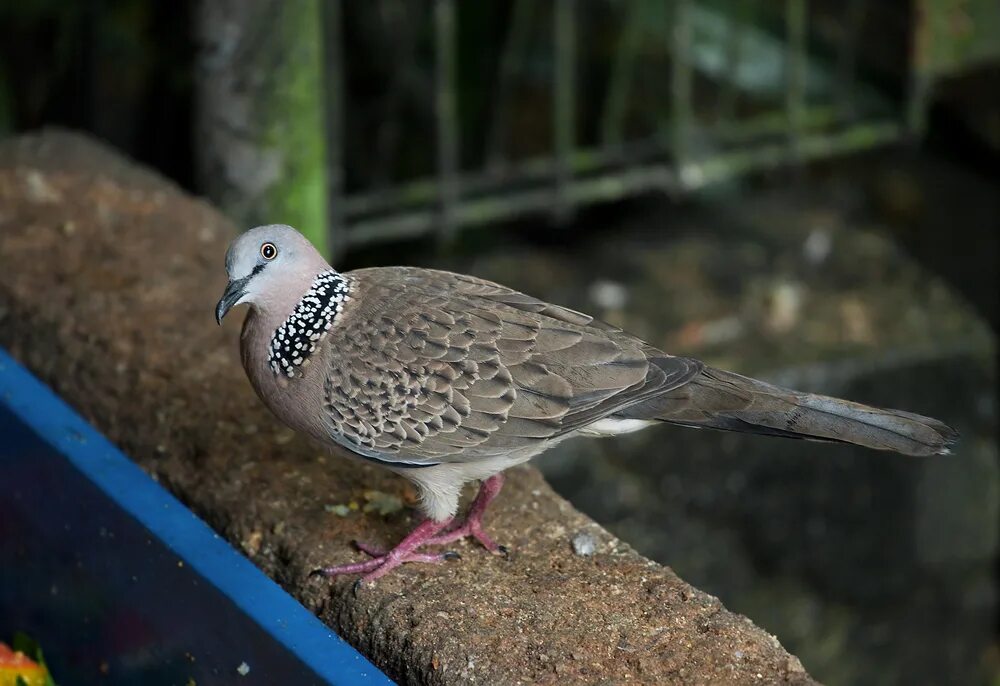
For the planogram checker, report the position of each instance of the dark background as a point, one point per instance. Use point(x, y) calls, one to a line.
point(871, 275)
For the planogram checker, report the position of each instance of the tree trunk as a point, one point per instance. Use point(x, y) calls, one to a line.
point(260, 124)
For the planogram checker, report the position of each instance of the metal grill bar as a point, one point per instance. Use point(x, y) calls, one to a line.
point(734, 56)
point(612, 122)
point(819, 108)
point(512, 55)
point(919, 89)
point(367, 207)
point(564, 111)
point(679, 131)
point(605, 182)
point(333, 93)
point(447, 126)
point(795, 88)
point(847, 57)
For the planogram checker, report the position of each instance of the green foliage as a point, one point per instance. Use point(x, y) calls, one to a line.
point(30, 647)
point(954, 35)
point(296, 115)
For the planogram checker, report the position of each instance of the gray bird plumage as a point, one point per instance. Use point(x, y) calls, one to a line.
point(446, 378)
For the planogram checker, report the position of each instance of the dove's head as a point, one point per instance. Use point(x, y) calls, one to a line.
point(269, 267)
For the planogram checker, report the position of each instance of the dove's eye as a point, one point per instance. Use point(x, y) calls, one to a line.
point(268, 251)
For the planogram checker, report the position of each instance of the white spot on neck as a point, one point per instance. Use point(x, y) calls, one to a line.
point(296, 339)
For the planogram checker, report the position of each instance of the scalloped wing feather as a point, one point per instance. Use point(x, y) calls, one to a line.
point(437, 367)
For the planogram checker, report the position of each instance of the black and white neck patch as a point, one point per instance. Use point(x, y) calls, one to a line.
point(295, 340)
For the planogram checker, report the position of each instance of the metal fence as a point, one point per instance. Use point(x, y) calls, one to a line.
point(749, 84)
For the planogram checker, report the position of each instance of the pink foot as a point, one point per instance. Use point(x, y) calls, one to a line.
point(473, 525)
point(382, 564)
point(375, 552)
point(426, 533)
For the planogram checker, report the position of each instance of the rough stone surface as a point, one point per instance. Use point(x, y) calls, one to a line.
point(106, 293)
point(875, 569)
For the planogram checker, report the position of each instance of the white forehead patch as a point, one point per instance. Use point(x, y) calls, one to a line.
point(295, 340)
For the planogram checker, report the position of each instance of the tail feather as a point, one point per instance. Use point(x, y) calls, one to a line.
point(730, 402)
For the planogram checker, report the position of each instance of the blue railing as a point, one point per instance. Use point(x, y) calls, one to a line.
point(122, 584)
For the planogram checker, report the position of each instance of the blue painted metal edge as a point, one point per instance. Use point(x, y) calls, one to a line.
point(181, 530)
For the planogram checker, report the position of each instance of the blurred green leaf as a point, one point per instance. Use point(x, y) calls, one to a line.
point(30, 647)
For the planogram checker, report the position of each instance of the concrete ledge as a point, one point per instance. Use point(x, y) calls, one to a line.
point(106, 293)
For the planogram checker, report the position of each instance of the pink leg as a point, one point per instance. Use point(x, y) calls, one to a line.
point(426, 533)
point(473, 525)
point(375, 551)
point(403, 552)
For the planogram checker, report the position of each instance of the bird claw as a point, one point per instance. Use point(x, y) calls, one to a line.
point(369, 550)
point(502, 551)
point(427, 533)
point(381, 563)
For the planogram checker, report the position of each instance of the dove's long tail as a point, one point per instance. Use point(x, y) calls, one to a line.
point(727, 401)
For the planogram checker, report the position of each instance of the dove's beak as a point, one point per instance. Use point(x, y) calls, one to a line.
point(234, 291)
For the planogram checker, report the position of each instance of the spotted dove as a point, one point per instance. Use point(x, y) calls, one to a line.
point(445, 378)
